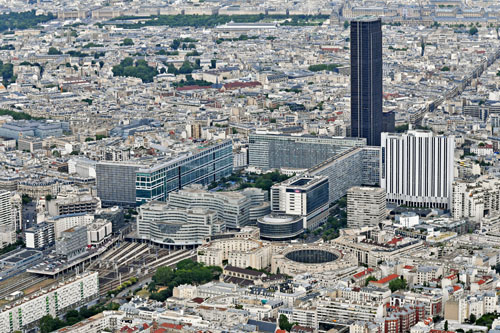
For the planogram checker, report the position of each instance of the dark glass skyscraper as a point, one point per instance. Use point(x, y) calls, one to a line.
point(366, 79)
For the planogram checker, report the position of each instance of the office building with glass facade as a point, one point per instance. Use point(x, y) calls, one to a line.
point(306, 196)
point(137, 182)
point(366, 79)
point(297, 204)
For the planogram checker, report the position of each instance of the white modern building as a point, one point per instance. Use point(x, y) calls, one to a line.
point(39, 236)
point(53, 300)
point(65, 222)
point(408, 219)
point(236, 209)
point(99, 231)
point(7, 220)
point(303, 195)
point(476, 199)
point(161, 224)
point(416, 168)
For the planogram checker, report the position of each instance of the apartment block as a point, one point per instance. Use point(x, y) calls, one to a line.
point(366, 206)
point(53, 300)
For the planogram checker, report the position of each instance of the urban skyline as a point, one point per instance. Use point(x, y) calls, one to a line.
point(250, 166)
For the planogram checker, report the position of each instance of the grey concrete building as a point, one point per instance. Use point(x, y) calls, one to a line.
point(72, 243)
point(366, 206)
point(273, 151)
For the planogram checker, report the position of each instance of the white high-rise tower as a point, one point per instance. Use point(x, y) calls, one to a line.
point(416, 168)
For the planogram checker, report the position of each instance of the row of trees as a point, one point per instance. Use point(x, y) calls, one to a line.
point(191, 82)
point(264, 181)
point(139, 69)
point(7, 73)
point(75, 54)
point(305, 20)
point(17, 115)
point(12, 247)
point(133, 280)
point(241, 37)
point(215, 20)
point(186, 271)
point(50, 324)
point(23, 20)
point(323, 67)
point(336, 221)
point(186, 68)
point(184, 43)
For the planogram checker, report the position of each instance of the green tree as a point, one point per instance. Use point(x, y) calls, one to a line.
point(48, 197)
point(54, 51)
point(284, 324)
point(7, 73)
point(12, 247)
point(49, 324)
point(175, 44)
point(446, 325)
point(26, 199)
point(140, 69)
point(323, 67)
point(472, 318)
point(402, 128)
point(397, 284)
point(346, 24)
point(22, 20)
point(370, 278)
point(128, 42)
point(162, 295)
point(473, 31)
point(163, 275)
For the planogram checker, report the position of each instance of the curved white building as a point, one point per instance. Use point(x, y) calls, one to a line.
point(280, 227)
point(236, 209)
point(161, 224)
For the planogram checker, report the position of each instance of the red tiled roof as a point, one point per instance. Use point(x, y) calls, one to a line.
point(198, 300)
point(334, 49)
point(408, 267)
point(480, 282)
point(173, 326)
point(386, 279)
point(193, 87)
point(237, 85)
point(455, 288)
point(363, 273)
point(395, 240)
